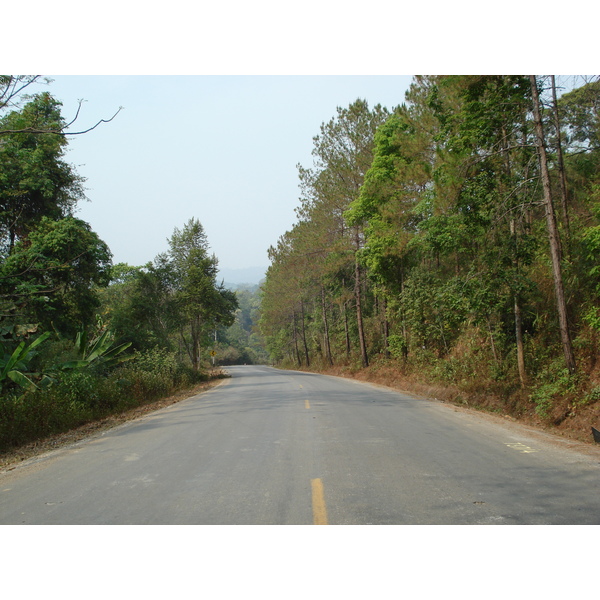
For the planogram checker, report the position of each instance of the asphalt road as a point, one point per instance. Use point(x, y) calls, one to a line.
point(282, 447)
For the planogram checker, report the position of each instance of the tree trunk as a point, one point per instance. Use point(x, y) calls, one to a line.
point(517, 305)
point(326, 328)
point(195, 346)
point(553, 234)
point(518, 320)
point(359, 316)
point(520, 345)
point(304, 334)
point(561, 166)
point(298, 358)
point(386, 330)
point(347, 331)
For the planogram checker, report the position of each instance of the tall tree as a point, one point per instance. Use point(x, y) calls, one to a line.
point(201, 301)
point(139, 305)
point(342, 155)
point(562, 178)
point(35, 181)
point(553, 234)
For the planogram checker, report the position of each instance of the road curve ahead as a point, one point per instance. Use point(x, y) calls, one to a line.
point(283, 447)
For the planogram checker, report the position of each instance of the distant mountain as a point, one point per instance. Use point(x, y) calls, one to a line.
point(249, 275)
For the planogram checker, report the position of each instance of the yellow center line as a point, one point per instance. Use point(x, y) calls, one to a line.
point(318, 503)
point(306, 403)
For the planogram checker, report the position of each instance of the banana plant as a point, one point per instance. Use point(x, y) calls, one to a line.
point(14, 366)
point(96, 351)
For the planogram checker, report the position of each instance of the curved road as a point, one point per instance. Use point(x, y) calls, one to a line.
point(283, 447)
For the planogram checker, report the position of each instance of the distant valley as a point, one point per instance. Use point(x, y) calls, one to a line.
point(248, 275)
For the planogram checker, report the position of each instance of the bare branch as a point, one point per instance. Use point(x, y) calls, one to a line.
point(94, 126)
point(61, 132)
point(13, 86)
point(79, 103)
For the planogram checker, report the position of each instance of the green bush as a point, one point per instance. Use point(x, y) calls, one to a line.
point(78, 397)
point(556, 381)
point(156, 373)
point(397, 346)
point(591, 397)
point(80, 386)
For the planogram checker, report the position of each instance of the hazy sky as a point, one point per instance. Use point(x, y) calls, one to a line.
point(222, 149)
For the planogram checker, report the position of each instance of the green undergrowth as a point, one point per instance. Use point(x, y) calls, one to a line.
point(83, 396)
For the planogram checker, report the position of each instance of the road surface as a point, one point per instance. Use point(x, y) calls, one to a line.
point(283, 447)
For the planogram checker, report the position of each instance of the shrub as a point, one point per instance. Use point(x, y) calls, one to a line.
point(397, 346)
point(81, 396)
point(556, 382)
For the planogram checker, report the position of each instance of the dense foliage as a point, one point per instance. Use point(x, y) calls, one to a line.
point(455, 238)
point(242, 343)
point(81, 338)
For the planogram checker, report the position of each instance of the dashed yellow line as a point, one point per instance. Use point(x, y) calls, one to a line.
point(318, 503)
point(306, 403)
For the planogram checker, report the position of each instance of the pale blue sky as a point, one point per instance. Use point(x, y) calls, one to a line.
point(222, 149)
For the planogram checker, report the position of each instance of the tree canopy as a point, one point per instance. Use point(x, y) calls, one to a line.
point(470, 220)
point(35, 181)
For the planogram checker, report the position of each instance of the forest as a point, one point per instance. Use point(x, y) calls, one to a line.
point(81, 337)
point(448, 245)
point(452, 243)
